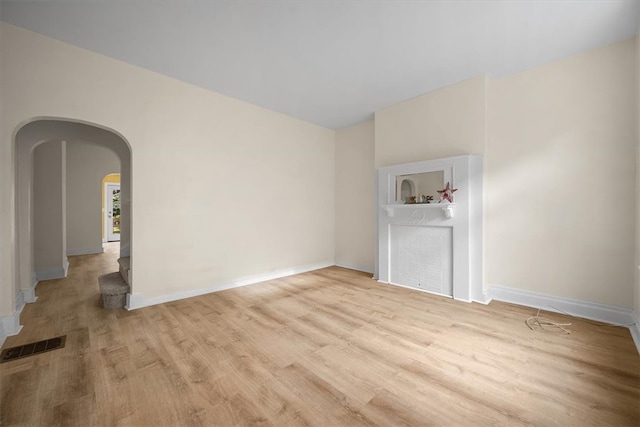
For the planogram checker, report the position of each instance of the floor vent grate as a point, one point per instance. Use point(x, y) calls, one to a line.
point(33, 348)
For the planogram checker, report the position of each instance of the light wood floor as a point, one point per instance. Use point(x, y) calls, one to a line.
point(331, 347)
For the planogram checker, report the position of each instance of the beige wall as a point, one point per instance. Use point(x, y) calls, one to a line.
point(637, 270)
point(560, 178)
point(355, 197)
point(203, 227)
point(9, 287)
point(559, 144)
point(87, 165)
point(49, 210)
point(444, 123)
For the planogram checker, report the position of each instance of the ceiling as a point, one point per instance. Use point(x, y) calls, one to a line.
point(332, 63)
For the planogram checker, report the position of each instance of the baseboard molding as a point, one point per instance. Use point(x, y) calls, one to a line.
point(10, 325)
point(635, 329)
point(611, 314)
point(353, 267)
point(28, 295)
point(136, 300)
point(125, 250)
point(19, 300)
point(85, 251)
point(486, 299)
point(426, 291)
point(51, 273)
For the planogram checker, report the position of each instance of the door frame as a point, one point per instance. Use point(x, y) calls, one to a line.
point(106, 213)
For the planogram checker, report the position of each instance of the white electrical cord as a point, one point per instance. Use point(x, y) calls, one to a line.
point(542, 322)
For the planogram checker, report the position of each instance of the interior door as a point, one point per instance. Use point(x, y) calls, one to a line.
point(112, 214)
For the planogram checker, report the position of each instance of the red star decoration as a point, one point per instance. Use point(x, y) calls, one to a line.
point(447, 194)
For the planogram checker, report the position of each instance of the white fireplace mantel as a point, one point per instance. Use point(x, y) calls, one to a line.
point(448, 209)
point(443, 239)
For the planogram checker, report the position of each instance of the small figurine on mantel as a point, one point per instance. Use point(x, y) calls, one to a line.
point(447, 193)
point(421, 199)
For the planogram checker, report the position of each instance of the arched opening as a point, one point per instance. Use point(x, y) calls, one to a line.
point(60, 166)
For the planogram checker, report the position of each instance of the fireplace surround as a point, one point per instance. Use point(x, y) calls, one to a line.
point(433, 247)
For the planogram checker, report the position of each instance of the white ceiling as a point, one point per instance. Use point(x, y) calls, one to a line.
point(332, 63)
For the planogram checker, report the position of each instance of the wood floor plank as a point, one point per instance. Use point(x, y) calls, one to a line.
point(324, 348)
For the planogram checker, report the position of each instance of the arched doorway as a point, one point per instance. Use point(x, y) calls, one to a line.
point(55, 133)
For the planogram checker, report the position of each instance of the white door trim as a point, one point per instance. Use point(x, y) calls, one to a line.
point(107, 210)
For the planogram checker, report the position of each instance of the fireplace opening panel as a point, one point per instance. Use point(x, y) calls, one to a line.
point(421, 258)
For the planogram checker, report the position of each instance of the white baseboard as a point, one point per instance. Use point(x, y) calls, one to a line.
point(85, 251)
point(611, 314)
point(10, 325)
point(125, 250)
point(137, 300)
point(51, 273)
point(486, 299)
point(635, 329)
point(19, 300)
point(353, 267)
point(29, 295)
point(426, 291)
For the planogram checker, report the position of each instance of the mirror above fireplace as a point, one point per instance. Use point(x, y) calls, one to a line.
point(419, 184)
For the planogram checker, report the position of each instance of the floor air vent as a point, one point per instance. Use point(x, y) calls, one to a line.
point(33, 348)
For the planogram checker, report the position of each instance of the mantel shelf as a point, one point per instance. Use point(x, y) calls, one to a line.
point(447, 208)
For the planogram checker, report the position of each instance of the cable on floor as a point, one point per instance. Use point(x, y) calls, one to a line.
point(546, 324)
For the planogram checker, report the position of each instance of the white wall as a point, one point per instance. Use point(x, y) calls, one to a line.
point(560, 178)
point(49, 225)
point(87, 165)
point(355, 197)
point(202, 228)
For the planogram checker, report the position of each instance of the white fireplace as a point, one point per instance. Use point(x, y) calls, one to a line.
point(433, 247)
